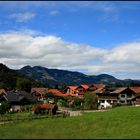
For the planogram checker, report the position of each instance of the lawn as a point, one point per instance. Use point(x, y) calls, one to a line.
point(121, 122)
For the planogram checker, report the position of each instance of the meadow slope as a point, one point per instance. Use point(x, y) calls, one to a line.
point(119, 123)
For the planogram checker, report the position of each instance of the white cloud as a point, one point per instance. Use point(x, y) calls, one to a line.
point(19, 49)
point(54, 12)
point(22, 17)
point(49, 51)
point(128, 52)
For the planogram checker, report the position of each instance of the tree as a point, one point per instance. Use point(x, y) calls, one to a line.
point(23, 84)
point(90, 100)
point(4, 107)
point(49, 95)
point(56, 86)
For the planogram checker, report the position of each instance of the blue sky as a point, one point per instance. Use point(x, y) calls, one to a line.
point(92, 37)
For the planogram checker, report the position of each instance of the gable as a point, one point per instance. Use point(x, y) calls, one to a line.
point(127, 91)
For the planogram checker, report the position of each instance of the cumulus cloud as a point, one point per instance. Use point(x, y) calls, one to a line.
point(22, 17)
point(49, 51)
point(125, 53)
point(20, 49)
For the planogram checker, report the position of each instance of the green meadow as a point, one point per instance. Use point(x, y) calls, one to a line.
point(117, 123)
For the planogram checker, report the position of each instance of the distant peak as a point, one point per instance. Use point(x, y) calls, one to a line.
point(39, 67)
point(2, 66)
point(27, 67)
point(106, 75)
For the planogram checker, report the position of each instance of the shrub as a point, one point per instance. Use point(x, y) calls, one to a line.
point(4, 107)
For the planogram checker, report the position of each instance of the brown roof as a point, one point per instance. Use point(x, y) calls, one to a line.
point(92, 88)
point(99, 85)
point(39, 90)
point(99, 90)
point(2, 91)
point(118, 90)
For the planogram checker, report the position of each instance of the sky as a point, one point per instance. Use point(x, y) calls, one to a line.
point(92, 37)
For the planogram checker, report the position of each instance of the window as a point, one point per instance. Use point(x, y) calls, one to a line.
point(122, 102)
point(122, 95)
point(102, 101)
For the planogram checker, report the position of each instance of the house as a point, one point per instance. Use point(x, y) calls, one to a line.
point(71, 90)
point(136, 99)
point(94, 87)
point(91, 88)
point(104, 95)
point(39, 92)
point(18, 99)
point(82, 89)
point(50, 109)
point(125, 95)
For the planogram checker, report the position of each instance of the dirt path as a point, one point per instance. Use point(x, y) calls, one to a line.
point(94, 110)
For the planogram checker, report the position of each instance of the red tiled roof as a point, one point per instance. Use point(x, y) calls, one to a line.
point(55, 91)
point(39, 90)
point(44, 106)
point(84, 86)
point(72, 87)
point(74, 95)
point(58, 93)
point(2, 91)
point(136, 89)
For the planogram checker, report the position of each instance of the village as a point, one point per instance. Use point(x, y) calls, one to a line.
point(50, 101)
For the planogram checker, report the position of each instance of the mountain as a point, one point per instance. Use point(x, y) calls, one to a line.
point(63, 77)
point(41, 76)
point(8, 78)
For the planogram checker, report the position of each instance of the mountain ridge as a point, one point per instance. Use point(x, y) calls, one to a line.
point(52, 77)
point(65, 77)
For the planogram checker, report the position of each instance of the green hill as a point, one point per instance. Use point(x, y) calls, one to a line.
point(118, 123)
point(8, 78)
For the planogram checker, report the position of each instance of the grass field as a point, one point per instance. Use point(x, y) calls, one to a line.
point(121, 122)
